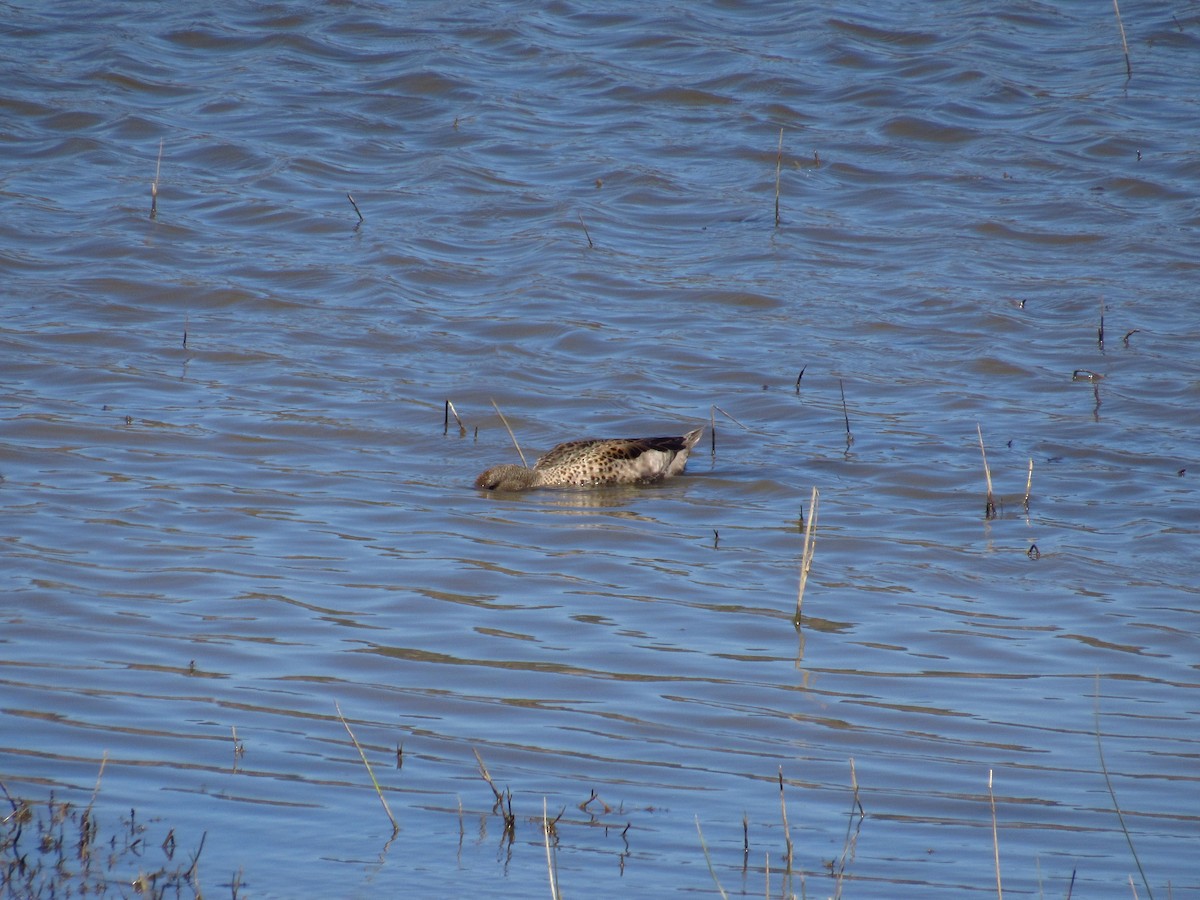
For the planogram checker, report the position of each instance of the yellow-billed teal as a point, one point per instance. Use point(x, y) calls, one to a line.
point(595, 462)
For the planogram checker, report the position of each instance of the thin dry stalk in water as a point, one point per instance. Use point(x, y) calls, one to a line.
point(551, 868)
point(451, 411)
point(712, 425)
point(779, 168)
point(1029, 484)
point(370, 772)
point(510, 820)
point(154, 184)
point(995, 838)
point(514, 440)
point(845, 415)
point(591, 246)
point(1100, 330)
point(806, 554)
point(787, 831)
point(989, 509)
point(1124, 43)
point(1113, 795)
point(708, 859)
point(350, 197)
point(852, 831)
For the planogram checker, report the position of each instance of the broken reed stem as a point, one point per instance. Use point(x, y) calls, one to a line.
point(1029, 484)
point(511, 435)
point(186, 322)
point(851, 840)
point(712, 425)
point(350, 197)
point(591, 246)
point(96, 789)
point(374, 781)
point(1113, 795)
point(787, 831)
point(154, 184)
point(989, 510)
point(995, 838)
point(806, 554)
point(708, 859)
point(1124, 43)
point(451, 411)
point(1100, 330)
point(845, 414)
point(510, 820)
point(551, 868)
point(778, 170)
point(798, 377)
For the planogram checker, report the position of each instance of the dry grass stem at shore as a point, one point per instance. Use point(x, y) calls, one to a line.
point(510, 433)
point(370, 772)
point(806, 554)
point(989, 509)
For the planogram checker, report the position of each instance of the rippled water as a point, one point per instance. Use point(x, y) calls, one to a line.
point(230, 501)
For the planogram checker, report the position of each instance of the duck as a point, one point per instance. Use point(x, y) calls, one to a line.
point(595, 462)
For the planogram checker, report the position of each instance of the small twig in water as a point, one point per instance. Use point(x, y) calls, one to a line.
point(1100, 330)
point(591, 246)
point(1130, 334)
point(989, 510)
point(806, 554)
point(1124, 43)
point(370, 772)
point(1029, 484)
point(185, 330)
point(510, 433)
point(798, 377)
point(356, 209)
